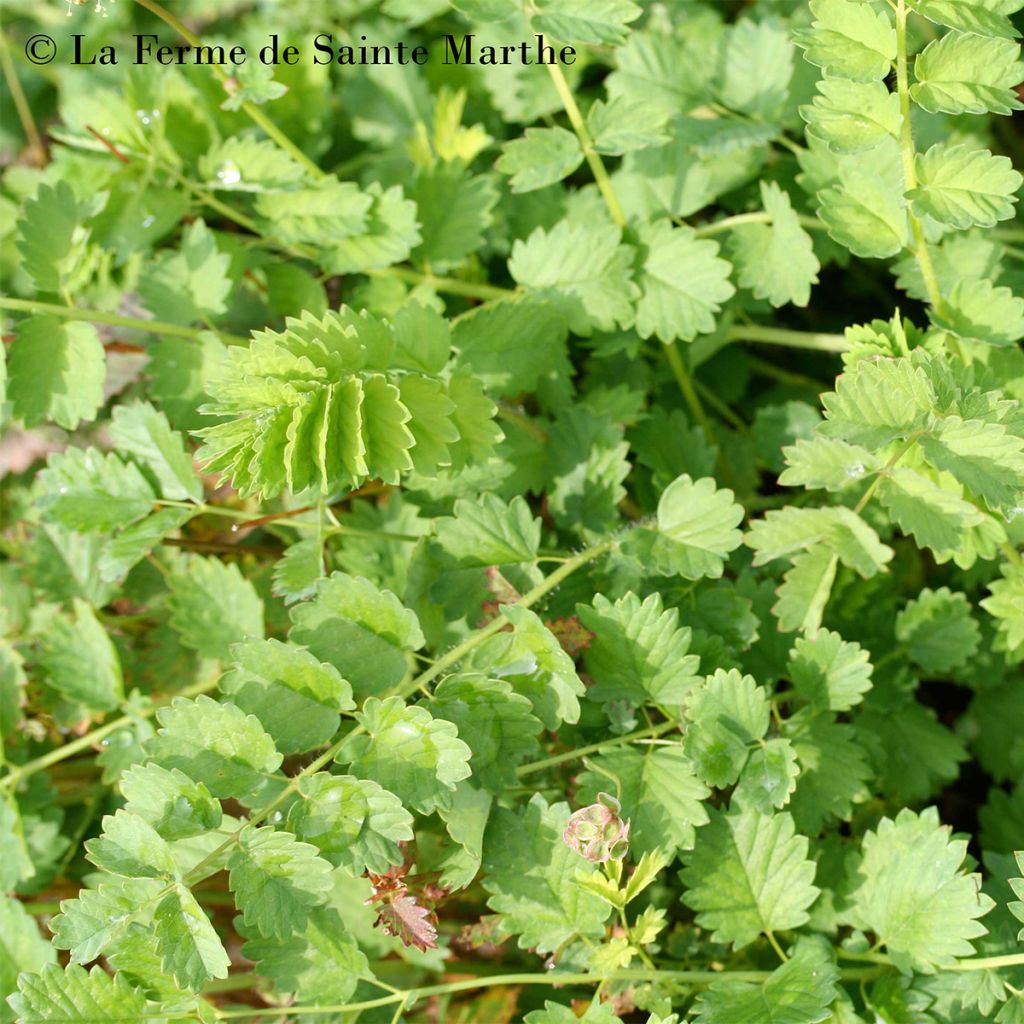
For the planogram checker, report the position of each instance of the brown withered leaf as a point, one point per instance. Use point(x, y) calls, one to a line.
point(403, 917)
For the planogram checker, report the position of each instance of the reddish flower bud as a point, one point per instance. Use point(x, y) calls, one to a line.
point(597, 832)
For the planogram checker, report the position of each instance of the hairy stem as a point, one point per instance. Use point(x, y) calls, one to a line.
point(791, 339)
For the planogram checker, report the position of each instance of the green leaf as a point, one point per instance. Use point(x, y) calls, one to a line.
point(189, 947)
point(1006, 606)
point(364, 632)
point(768, 778)
point(639, 652)
point(864, 210)
point(22, 948)
point(72, 996)
point(914, 895)
point(805, 590)
point(968, 74)
point(277, 880)
point(125, 550)
point(1017, 884)
point(354, 823)
point(175, 805)
point(748, 873)
point(50, 235)
point(961, 187)
point(938, 630)
point(321, 213)
point(776, 262)
point(981, 311)
point(661, 795)
point(826, 462)
point(85, 490)
point(296, 698)
point(984, 17)
point(213, 606)
point(540, 157)
point(512, 344)
point(852, 116)
point(586, 21)
point(56, 369)
point(556, 1013)
point(455, 211)
point(532, 660)
point(727, 714)
point(417, 757)
point(188, 285)
point(489, 531)
point(140, 430)
point(321, 964)
point(298, 571)
point(682, 283)
point(623, 125)
point(531, 876)
point(583, 269)
point(16, 862)
point(79, 660)
point(465, 822)
point(391, 234)
point(244, 164)
point(830, 673)
point(801, 991)
point(12, 690)
point(849, 39)
point(756, 67)
point(130, 846)
point(215, 743)
point(495, 722)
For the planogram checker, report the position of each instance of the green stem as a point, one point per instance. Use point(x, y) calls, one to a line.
point(883, 472)
point(99, 316)
point(94, 736)
point(792, 339)
point(509, 412)
point(249, 109)
point(451, 285)
point(686, 388)
point(908, 155)
point(497, 624)
point(21, 104)
point(594, 748)
point(755, 217)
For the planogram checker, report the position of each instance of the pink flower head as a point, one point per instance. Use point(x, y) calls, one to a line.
point(597, 832)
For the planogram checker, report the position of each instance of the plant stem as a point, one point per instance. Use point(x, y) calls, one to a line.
point(99, 316)
point(593, 158)
point(21, 104)
point(908, 155)
point(755, 217)
point(509, 412)
point(686, 388)
point(252, 111)
point(497, 624)
point(792, 339)
point(451, 285)
point(95, 735)
point(884, 471)
point(594, 748)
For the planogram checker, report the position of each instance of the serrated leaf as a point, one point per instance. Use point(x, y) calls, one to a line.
point(85, 490)
point(984, 17)
point(1017, 884)
point(531, 876)
point(801, 991)
point(586, 21)
point(215, 743)
point(296, 698)
point(364, 632)
point(130, 846)
point(938, 630)
point(175, 805)
point(776, 262)
point(850, 39)
point(46, 233)
point(140, 430)
point(982, 311)
point(864, 211)
point(830, 673)
point(639, 652)
point(354, 823)
point(914, 895)
point(583, 269)
point(79, 660)
point(748, 872)
point(22, 947)
point(390, 236)
point(489, 531)
point(540, 157)
point(756, 67)
point(727, 714)
point(73, 996)
point(661, 795)
point(961, 187)
point(805, 590)
point(852, 116)
point(826, 462)
point(455, 211)
point(495, 722)
point(968, 74)
point(244, 164)
point(623, 125)
point(277, 880)
point(682, 283)
point(299, 570)
point(56, 370)
point(125, 550)
point(768, 778)
point(213, 606)
point(409, 752)
point(556, 1013)
point(90, 924)
point(188, 945)
point(319, 213)
point(1006, 606)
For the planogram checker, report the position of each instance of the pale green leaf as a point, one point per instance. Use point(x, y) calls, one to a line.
point(984, 17)
point(130, 846)
point(826, 462)
point(175, 805)
point(71, 995)
point(849, 38)
point(190, 949)
point(540, 157)
point(623, 125)
point(830, 673)
point(489, 531)
point(852, 116)
point(968, 74)
point(805, 590)
point(298, 571)
point(586, 21)
point(138, 429)
point(1006, 606)
point(768, 778)
point(982, 311)
point(938, 630)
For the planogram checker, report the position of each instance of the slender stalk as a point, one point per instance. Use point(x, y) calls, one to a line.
point(908, 155)
point(883, 472)
point(594, 748)
point(99, 316)
point(252, 111)
point(511, 414)
point(451, 285)
point(792, 339)
point(93, 737)
point(21, 104)
point(718, 227)
point(686, 388)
